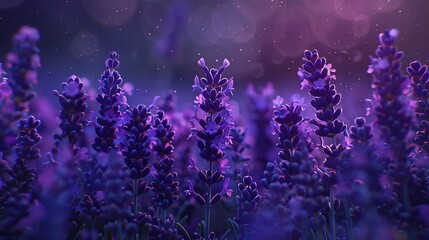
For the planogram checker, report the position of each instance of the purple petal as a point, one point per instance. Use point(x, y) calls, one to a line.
point(226, 63)
point(202, 62)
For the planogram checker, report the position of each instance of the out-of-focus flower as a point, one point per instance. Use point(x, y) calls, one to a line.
point(247, 201)
point(18, 193)
point(394, 121)
point(260, 105)
point(22, 64)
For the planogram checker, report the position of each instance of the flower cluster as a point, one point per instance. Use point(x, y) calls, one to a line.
point(327, 182)
point(73, 106)
point(394, 119)
point(316, 76)
point(247, 201)
point(111, 99)
point(296, 179)
point(261, 113)
point(239, 145)
point(420, 86)
point(22, 64)
point(164, 185)
point(213, 133)
point(18, 180)
point(17, 90)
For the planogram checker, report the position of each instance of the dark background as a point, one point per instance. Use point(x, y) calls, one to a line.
point(160, 41)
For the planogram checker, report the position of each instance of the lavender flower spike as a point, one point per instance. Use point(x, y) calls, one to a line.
point(22, 64)
point(391, 110)
point(111, 99)
point(135, 147)
point(73, 106)
point(394, 118)
point(165, 185)
point(247, 201)
point(420, 86)
point(211, 127)
point(17, 194)
point(318, 76)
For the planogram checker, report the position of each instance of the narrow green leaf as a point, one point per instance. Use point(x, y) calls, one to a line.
point(183, 231)
point(235, 229)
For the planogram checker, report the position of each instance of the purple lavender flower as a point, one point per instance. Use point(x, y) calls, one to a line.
point(19, 185)
point(8, 116)
point(61, 195)
point(164, 185)
point(295, 182)
point(318, 75)
point(164, 229)
point(16, 92)
point(247, 201)
point(261, 113)
point(168, 102)
point(116, 213)
point(394, 121)
point(73, 106)
point(391, 110)
point(420, 86)
point(22, 64)
point(239, 146)
point(164, 135)
point(212, 129)
point(136, 149)
point(111, 99)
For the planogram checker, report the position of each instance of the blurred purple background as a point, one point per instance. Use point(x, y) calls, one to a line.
point(160, 41)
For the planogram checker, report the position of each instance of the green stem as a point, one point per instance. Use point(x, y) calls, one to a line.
point(209, 196)
point(135, 201)
point(332, 214)
point(164, 214)
point(349, 220)
point(135, 196)
point(405, 197)
point(305, 230)
point(325, 232)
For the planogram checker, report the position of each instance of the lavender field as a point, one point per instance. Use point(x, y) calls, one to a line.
point(194, 120)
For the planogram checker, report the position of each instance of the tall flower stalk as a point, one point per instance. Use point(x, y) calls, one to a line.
point(17, 90)
point(317, 76)
point(165, 186)
point(111, 98)
point(22, 63)
point(420, 86)
point(211, 127)
point(394, 119)
point(73, 106)
point(108, 138)
point(136, 150)
point(18, 195)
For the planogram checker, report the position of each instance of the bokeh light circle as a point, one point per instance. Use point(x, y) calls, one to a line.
point(110, 12)
point(200, 27)
point(291, 35)
point(260, 10)
point(84, 44)
point(361, 26)
point(157, 20)
point(320, 7)
point(333, 32)
point(9, 3)
point(226, 22)
point(257, 70)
